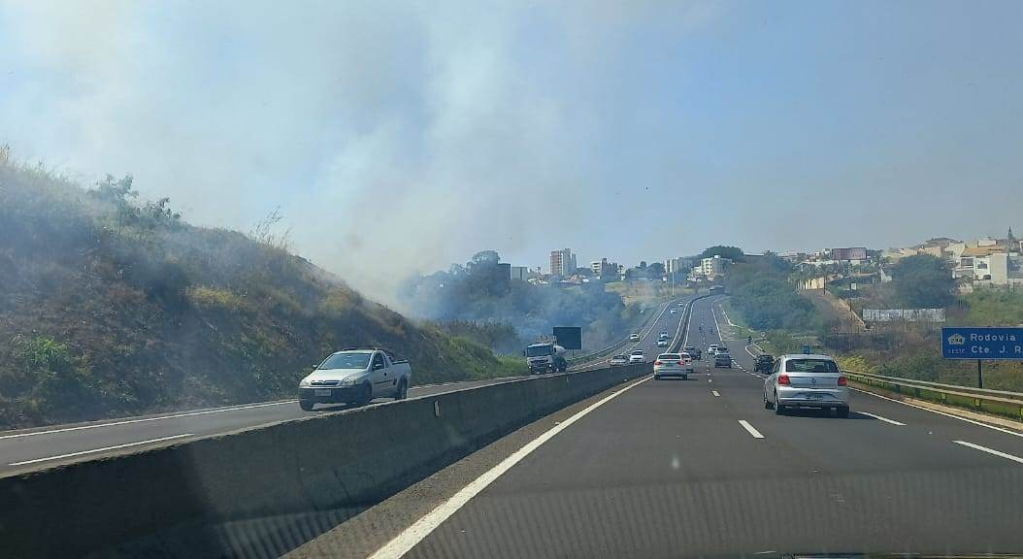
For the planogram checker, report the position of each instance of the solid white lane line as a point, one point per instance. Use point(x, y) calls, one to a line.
point(749, 428)
point(95, 450)
point(953, 416)
point(415, 533)
point(715, 392)
point(990, 451)
point(145, 419)
point(879, 418)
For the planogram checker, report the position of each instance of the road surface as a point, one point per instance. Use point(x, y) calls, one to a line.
point(22, 451)
point(700, 468)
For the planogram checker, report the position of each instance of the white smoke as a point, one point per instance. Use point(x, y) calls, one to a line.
point(394, 136)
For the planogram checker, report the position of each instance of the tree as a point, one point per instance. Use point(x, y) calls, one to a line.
point(655, 271)
point(923, 281)
point(733, 253)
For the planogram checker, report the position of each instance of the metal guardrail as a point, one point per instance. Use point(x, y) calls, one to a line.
point(999, 402)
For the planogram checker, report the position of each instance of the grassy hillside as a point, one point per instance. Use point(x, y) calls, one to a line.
point(112, 307)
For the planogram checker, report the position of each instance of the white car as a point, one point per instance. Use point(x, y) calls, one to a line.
point(619, 360)
point(712, 349)
point(634, 337)
point(355, 377)
point(806, 381)
point(637, 356)
point(662, 343)
point(673, 365)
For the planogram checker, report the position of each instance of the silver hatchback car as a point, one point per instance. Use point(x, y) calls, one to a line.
point(812, 381)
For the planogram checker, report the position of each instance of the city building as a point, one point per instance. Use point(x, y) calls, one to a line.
point(711, 268)
point(563, 262)
point(677, 265)
point(602, 268)
point(991, 265)
point(520, 273)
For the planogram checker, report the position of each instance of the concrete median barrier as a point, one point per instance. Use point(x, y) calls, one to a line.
point(324, 462)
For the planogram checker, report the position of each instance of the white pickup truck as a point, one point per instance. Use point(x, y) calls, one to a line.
point(355, 376)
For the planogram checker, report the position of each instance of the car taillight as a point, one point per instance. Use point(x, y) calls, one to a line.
point(657, 362)
point(841, 381)
point(784, 379)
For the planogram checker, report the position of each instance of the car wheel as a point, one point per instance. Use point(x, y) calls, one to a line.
point(685, 377)
point(306, 405)
point(842, 412)
point(657, 377)
point(402, 390)
point(365, 395)
point(767, 403)
point(778, 408)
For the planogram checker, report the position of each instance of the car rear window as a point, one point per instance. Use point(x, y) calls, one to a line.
point(811, 366)
point(669, 356)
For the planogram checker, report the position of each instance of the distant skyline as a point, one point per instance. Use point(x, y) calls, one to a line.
point(398, 137)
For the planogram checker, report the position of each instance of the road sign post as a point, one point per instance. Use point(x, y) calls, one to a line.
point(982, 343)
point(1002, 344)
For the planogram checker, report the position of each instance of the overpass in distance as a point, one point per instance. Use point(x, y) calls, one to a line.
point(643, 469)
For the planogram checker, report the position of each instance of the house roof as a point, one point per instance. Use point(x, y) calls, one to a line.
point(984, 251)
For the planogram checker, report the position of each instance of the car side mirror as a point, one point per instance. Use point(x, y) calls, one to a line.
point(378, 366)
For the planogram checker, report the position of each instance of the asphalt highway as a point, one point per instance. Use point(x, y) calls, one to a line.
point(700, 468)
point(22, 451)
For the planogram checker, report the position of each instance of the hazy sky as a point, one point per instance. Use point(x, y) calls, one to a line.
point(403, 136)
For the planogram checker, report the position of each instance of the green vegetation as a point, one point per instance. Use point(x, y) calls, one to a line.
point(923, 281)
point(735, 254)
point(990, 307)
point(111, 307)
point(766, 300)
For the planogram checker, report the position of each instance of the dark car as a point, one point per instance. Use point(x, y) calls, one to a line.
point(763, 364)
point(696, 353)
point(723, 359)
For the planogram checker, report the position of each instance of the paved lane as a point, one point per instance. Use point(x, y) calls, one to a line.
point(669, 469)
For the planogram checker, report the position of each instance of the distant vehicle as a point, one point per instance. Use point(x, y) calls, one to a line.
point(712, 349)
point(355, 376)
point(717, 289)
point(634, 337)
point(806, 380)
point(763, 363)
point(664, 335)
point(720, 349)
point(694, 352)
point(546, 357)
point(662, 343)
point(687, 359)
point(673, 311)
point(722, 360)
point(673, 365)
point(619, 360)
point(637, 356)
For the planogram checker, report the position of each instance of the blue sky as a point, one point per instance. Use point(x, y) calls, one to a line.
point(402, 136)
